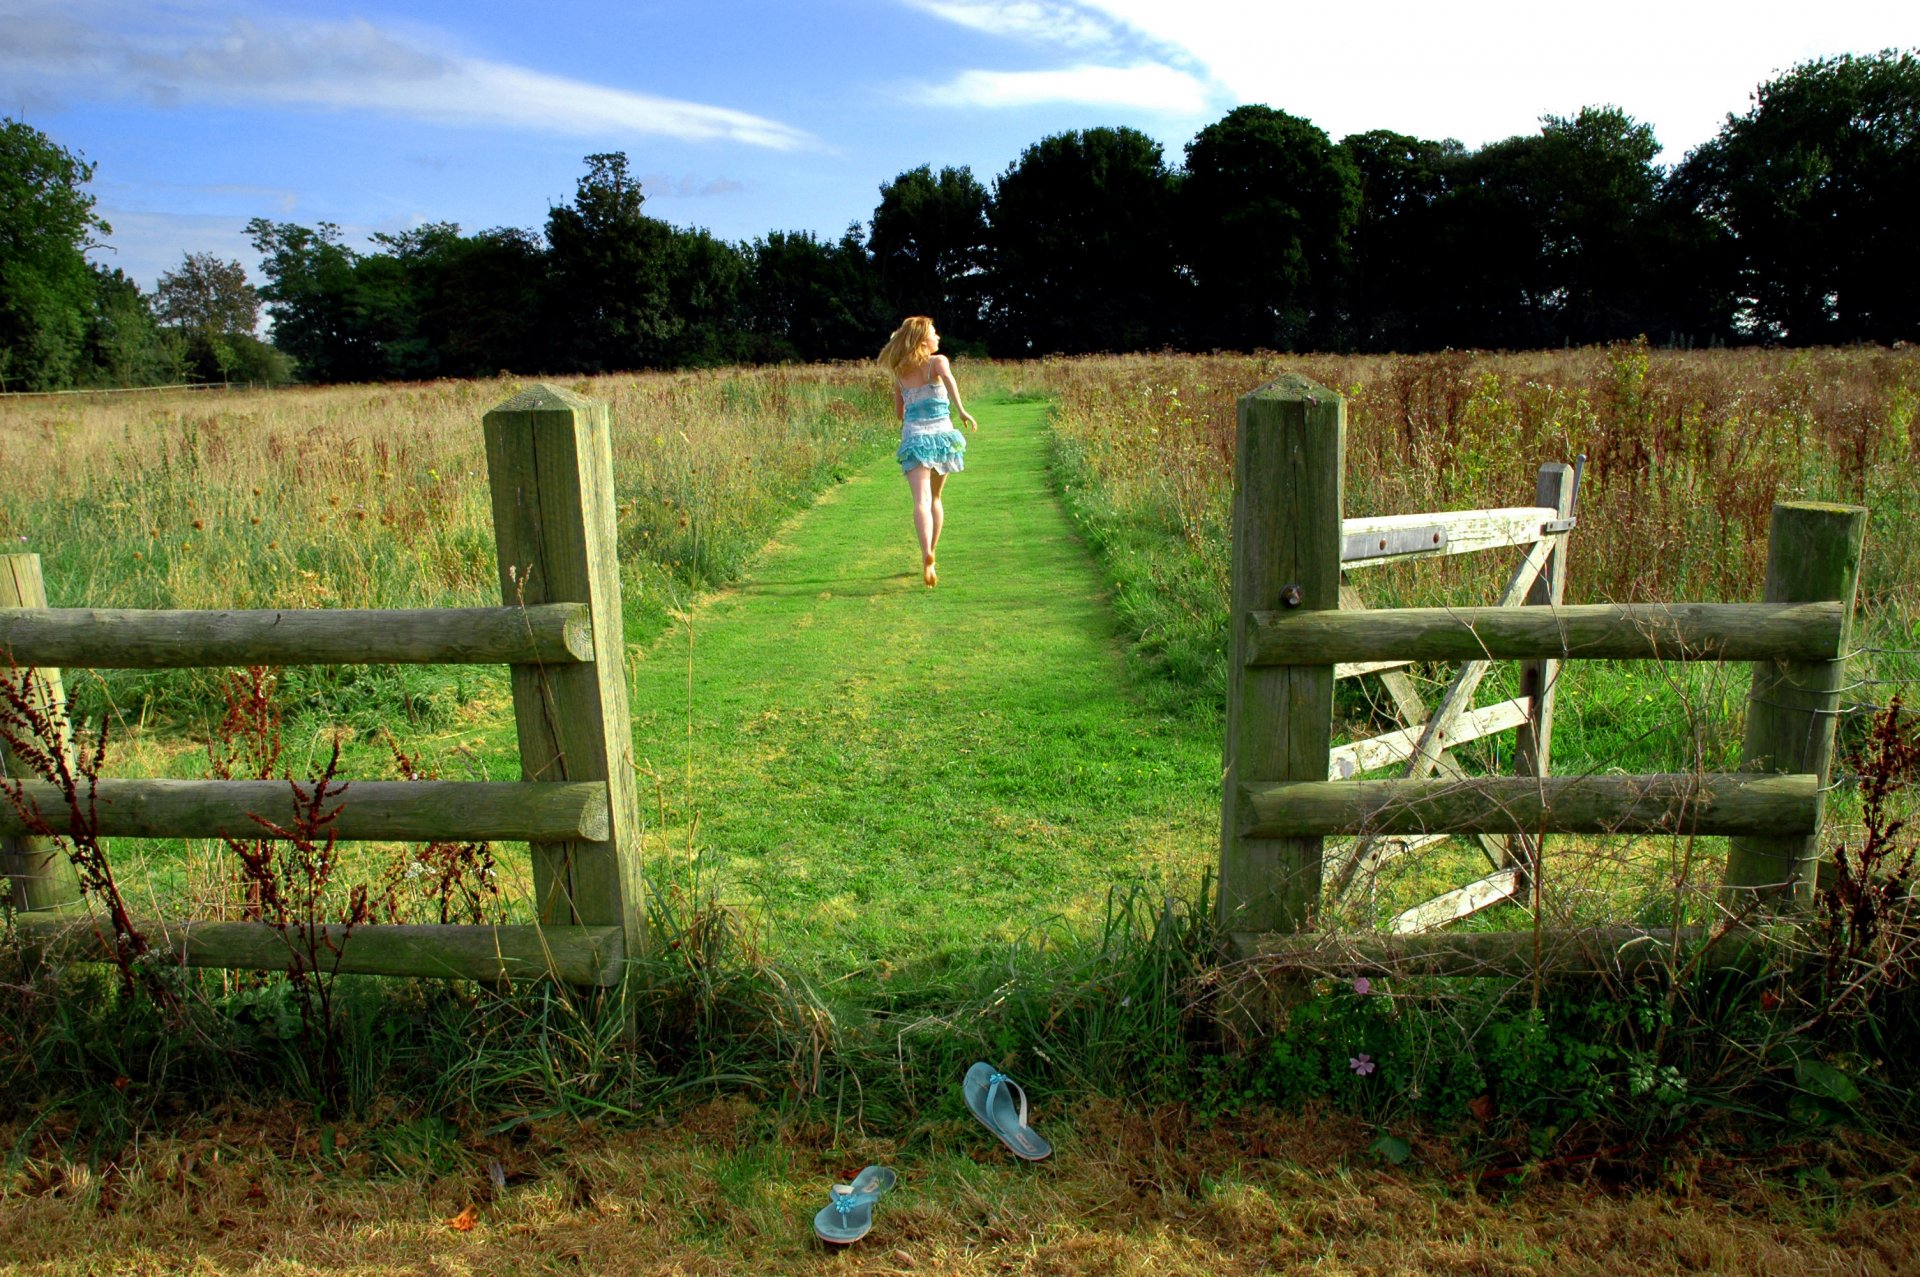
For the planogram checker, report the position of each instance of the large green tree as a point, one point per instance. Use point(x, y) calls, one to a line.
point(206, 294)
point(211, 312)
point(47, 289)
point(814, 299)
point(1596, 195)
point(311, 295)
point(1083, 246)
point(1818, 184)
point(613, 306)
point(1269, 205)
point(929, 244)
point(1390, 287)
point(122, 345)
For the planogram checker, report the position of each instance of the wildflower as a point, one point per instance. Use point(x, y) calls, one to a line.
point(1361, 1063)
point(1362, 985)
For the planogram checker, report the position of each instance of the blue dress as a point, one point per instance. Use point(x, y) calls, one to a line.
point(927, 436)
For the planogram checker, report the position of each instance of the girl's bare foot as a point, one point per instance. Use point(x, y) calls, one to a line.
point(927, 573)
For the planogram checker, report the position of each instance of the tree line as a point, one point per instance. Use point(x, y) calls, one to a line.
point(1794, 225)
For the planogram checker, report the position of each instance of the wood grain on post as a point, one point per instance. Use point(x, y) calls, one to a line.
point(550, 468)
point(120, 638)
point(38, 872)
point(575, 955)
point(1813, 555)
point(369, 810)
point(1289, 475)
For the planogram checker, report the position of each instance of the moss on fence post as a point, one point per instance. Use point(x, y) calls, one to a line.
point(40, 874)
point(550, 467)
point(1813, 555)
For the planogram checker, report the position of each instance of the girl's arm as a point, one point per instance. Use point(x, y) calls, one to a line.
point(944, 369)
point(899, 404)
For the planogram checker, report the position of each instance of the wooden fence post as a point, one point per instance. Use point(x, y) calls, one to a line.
point(40, 874)
point(550, 467)
point(1289, 476)
point(1533, 739)
point(1813, 555)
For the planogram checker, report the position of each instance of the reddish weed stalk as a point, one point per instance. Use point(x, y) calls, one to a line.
point(36, 736)
point(459, 880)
point(1867, 939)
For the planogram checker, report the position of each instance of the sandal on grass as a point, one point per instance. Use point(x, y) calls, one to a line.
point(1001, 1105)
point(849, 1213)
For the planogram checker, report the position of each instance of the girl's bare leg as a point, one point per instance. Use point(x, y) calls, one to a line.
point(919, 483)
point(937, 481)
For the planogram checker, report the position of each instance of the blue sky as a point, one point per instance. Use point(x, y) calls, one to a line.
point(744, 116)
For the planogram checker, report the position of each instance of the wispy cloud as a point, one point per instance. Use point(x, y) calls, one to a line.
point(1145, 85)
point(1479, 73)
point(1128, 68)
point(1036, 20)
point(231, 60)
point(687, 186)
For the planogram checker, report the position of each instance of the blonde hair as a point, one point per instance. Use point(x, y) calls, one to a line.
point(911, 343)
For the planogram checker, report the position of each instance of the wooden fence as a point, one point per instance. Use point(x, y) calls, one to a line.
point(1297, 627)
point(550, 471)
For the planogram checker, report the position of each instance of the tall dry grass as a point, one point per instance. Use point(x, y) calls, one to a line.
point(1686, 454)
point(376, 496)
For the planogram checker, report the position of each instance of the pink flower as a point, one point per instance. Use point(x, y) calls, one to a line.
point(1362, 985)
point(1361, 1063)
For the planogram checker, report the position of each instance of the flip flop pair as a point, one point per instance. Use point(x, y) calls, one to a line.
point(848, 1214)
point(1001, 1105)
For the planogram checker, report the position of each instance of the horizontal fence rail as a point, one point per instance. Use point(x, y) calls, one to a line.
point(369, 810)
point(591, 955)
point(1384, 538)
point(1593, 631)
point(1681, 802)
point(121, 638)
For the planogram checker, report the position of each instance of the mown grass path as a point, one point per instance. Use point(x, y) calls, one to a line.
point(893, 774)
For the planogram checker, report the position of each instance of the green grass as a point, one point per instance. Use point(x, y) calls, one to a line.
point(894, 775)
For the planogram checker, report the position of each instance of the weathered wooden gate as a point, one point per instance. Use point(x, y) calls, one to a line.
point(1296, 629)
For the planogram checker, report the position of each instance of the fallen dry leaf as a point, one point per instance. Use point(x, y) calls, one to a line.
point(465, 1220)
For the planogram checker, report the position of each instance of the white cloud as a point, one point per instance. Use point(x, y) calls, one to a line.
point(343, 67)
point(1035, 20)
point(1490, 68)
point(1144, 85)
point(1478, 71)
point(687, 186)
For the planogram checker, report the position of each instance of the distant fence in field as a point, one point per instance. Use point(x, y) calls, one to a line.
point(550, 471)
point(1297, 627)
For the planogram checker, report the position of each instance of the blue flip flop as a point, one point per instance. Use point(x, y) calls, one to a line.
point(849, 1214)
point(1001, 1105)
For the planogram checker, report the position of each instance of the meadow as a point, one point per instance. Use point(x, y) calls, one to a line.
point(376, 497)
point(1083, 952)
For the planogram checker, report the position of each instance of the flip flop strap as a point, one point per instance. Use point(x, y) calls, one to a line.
point(845, 1203)
point(1001, 1079)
